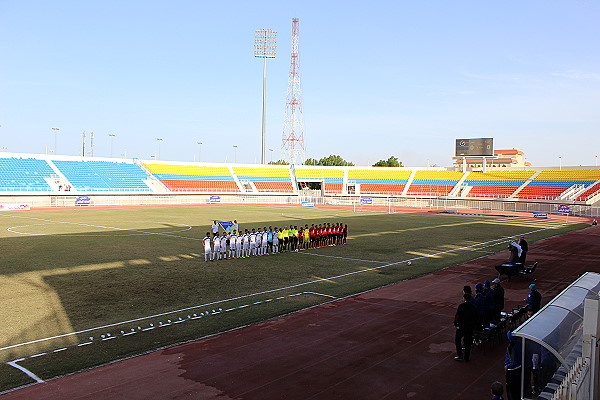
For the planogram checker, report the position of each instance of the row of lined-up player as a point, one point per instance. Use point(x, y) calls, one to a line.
point(260, 242)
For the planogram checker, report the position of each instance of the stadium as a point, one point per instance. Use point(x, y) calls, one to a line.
point(151, 276)
point(98, 251)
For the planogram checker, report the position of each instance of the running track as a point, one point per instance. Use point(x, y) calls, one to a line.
point(391, 343)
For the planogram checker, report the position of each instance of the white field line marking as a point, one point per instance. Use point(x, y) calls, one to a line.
point(97, 226)
point(321, 294)
point(188, 227)
point(341, 258)
point(25, 371)
point(494, 242)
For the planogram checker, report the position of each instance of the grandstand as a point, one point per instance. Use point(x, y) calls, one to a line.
point(24, 174)
point(552, 184)
point(265, 179)
point(434, 183)
point(46, 175)
point(499, 184)
point(193, 178)
point(380, 180)
point(103, 175)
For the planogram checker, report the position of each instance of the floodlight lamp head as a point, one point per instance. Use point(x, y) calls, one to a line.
point(265, 43)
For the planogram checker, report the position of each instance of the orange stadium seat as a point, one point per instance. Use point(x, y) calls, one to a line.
point(274, 186)
point(181, 185)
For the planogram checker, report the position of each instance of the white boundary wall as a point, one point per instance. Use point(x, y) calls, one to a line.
point(391, 203)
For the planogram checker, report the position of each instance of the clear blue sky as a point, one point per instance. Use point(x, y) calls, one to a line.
point(379, 78)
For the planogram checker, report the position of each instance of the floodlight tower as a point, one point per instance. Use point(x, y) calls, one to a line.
point(265, 46)
point(293, 126)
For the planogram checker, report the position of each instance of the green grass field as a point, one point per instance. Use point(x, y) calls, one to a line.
point(84, 287)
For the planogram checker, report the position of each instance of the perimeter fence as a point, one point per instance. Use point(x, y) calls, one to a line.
point(379, 204)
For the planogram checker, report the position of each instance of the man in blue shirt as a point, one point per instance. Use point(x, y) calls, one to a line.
point(534, 300)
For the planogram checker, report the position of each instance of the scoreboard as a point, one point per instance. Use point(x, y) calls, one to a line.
point(475, 147)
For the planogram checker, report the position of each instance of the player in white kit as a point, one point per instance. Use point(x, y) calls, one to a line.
point(207, 250)
point(216, 254)
point(259, 239)
point(263, 244)
point(232, 244)
point(224, 246)
point(253, 242)
point(275, 241)
point(238, 245)
point(246, 244)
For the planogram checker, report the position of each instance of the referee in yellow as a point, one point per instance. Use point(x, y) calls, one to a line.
point(286, 237)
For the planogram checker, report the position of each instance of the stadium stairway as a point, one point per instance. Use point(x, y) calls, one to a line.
point(241, 186)
point(411, 178)
point(527, 182)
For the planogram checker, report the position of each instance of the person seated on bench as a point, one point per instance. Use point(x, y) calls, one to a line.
point(513, 265)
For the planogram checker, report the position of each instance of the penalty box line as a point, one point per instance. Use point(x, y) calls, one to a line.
point(101, 226)
point(494, 241)
point(25, 370)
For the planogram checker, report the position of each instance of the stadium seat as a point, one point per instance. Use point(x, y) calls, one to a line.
point(193, 178)
point(380, 180)
point(434, 183)
point(24, 174)
point(103, 175)
point(267, 179)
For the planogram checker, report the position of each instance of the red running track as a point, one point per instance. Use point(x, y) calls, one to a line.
point(391, 343)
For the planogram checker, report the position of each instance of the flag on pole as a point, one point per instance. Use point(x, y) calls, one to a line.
point(228, 226)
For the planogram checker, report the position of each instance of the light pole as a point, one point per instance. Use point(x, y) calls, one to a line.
point(159, 140)
point(199, 151)
point(235, 154)
point(596, 160)
point(265, 46)
point(271, 150)
point(112, 140)
point(560, 163)
point(55, 138)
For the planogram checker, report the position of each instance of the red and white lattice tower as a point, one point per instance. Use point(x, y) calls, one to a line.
point(293, 126)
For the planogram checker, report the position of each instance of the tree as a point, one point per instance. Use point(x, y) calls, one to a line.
point(279, 162)
point(334, 160)
point(311, 161)
point(390, 162)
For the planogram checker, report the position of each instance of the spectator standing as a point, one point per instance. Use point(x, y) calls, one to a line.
point(465, 322)
point(467, 290)
point(534, 300)
point(489, 305)
point(512, 366)
point(498, 298)
point(524, 249)
point(479, 302)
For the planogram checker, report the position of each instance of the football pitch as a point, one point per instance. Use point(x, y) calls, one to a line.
point(84, 287)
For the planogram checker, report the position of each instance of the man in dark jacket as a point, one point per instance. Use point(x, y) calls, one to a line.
point(524, 249)
point(534, 300)
point(489, 305)
point(479, 304)
point(465, 321)
point(512, 366)
point(498, 298)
